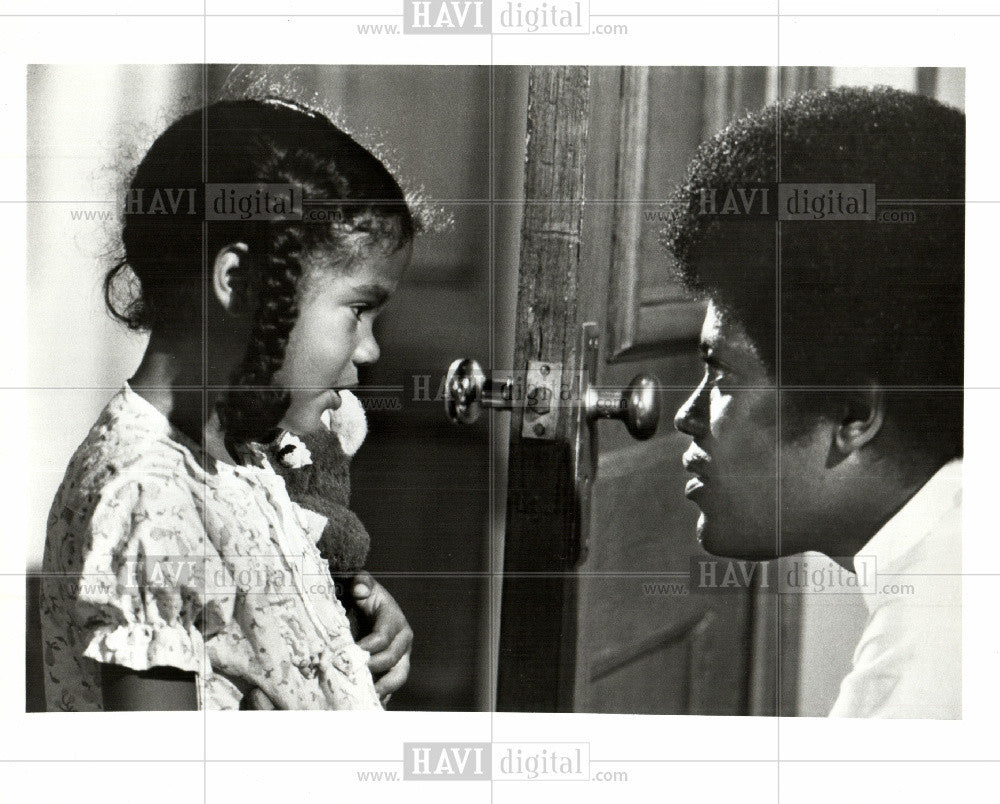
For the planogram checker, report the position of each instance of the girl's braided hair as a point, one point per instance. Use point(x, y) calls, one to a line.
point(162, 282)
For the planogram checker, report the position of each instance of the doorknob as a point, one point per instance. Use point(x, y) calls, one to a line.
point(467, 391)
point(638, 405)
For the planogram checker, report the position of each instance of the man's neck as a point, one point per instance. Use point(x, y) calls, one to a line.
point(865, 513)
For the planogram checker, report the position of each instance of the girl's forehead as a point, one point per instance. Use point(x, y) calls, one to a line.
point(380, 266)
point(372, 270)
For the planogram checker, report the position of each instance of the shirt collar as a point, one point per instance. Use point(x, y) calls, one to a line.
point(903, 541)
point(143, 412)
point(145, 415)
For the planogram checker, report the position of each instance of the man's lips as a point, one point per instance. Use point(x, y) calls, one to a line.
point(697, 462)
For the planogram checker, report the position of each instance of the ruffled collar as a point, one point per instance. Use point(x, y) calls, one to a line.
point(141, 413)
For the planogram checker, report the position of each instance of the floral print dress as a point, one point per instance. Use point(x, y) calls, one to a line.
point(154, 560)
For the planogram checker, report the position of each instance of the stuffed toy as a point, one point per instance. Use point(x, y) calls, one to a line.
point(316, 470)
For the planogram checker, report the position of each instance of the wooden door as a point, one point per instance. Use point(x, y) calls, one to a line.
point(597, 611)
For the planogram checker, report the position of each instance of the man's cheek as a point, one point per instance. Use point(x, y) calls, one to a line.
point(720, 407)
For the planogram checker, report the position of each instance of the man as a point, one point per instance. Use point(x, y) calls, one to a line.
point(830, 415)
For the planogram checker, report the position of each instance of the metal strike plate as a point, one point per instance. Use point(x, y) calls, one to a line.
point(542, 389)
point(584, 443)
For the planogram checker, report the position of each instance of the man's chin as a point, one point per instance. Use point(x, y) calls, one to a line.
point(736, 543)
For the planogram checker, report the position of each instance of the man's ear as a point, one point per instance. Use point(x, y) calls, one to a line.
point(861, 420)
point(229, 283)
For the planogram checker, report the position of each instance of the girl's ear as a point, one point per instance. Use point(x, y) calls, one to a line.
point(229, 280)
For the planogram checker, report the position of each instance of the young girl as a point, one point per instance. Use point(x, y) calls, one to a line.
point(178, 572)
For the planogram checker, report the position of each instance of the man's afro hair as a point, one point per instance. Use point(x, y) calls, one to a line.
point(841, 303)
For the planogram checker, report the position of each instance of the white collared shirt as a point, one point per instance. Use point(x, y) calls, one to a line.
point(908, 663)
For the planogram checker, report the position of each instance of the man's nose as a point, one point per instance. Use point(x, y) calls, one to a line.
point(691, 417)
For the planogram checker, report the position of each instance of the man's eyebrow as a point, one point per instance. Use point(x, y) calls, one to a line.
point(710, 355)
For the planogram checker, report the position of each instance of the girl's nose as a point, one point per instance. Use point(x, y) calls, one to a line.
point(367, 351)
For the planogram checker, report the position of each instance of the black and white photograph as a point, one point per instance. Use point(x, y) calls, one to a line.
point(584, 418)
point(736, 285)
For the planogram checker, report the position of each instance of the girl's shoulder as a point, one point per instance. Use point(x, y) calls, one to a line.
point(126, 476)
point(128, 445)
point(129, 434)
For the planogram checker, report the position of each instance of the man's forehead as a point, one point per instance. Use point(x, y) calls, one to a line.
point(721, 332)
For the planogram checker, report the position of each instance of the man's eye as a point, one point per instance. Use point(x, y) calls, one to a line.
point(716, 376)
point(359, 310)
